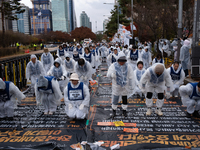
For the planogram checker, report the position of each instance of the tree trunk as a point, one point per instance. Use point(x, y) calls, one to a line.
point(3, 27)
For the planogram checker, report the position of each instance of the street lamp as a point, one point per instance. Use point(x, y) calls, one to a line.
point(117, 10)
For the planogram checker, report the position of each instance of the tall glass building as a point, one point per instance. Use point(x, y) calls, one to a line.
point(85, 20)
point(63, 15)
point(72, 15)
point(41, 17)
point(23, 23)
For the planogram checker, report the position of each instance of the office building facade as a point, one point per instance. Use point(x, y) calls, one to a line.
point(22, 25)
point(85, 20)
point(63, 15)
point(41, 17)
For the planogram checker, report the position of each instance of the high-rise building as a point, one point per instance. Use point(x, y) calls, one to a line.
point(41, 17)
point(63, 15)
point(85, 20)
point(23, 23)
point(105, 22)
point(60, 15)
point(72, 15)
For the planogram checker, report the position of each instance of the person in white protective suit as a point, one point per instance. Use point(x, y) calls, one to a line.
point(69, 65)
point(103, 52)
point(48, 93)
point(9, 95)
point(165, 49)
point(61, 53)
point(190, 96)
point(60, 73)
point(158, 59)
point(133, 56)
point(84, 71)
point(76, 98)
point(33, 70)
point(140, 50)
point(185, 56)
point(117, 47)
point(79, 49)
point(177, 75)
point(122, 82)
point(94, 53)
point(149, 44)
point(125, 50)
point(112, 57)
point(47, 60)
point(138, 72)
point(156, 79)
point(76, 56)
point(89, 56)
point(146, 57)
point(70, 50)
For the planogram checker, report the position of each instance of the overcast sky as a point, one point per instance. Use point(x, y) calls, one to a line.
point(95, 9)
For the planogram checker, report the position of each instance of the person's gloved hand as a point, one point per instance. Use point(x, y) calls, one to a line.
point(81, 106)
point(131, 88)
point(168, 95)
point(70, 106)
point(82, 78)
point(63, 77)
point(113, 75)
point(143, 89)
point(39, 103)
point(93, 67)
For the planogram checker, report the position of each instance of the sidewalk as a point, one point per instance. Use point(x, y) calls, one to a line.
point(32, 52)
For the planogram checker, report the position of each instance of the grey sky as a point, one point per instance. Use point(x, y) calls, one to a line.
point(95, 9)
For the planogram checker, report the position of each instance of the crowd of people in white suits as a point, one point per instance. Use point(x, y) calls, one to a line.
point(131, 68)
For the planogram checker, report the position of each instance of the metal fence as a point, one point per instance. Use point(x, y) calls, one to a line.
point(14, 69)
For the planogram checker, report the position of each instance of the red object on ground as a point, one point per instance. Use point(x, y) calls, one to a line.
point(27, 51)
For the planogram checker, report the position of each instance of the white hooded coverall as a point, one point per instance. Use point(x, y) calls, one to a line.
point(47, 61)
point(190, 97)
point(9, 95)
point(177, 76)
point(151, 83)
point(33, 71)
point(74, 97)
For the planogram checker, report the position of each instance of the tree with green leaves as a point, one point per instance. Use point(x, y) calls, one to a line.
point(9, 10)
point(112, 25)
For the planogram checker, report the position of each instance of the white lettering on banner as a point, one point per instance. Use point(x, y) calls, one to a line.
point(75, 94)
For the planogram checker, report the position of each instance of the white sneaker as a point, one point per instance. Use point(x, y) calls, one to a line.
point(176, 96)
point(149, 111)
point(45, 113)
point(50, 113)
point(159, 112)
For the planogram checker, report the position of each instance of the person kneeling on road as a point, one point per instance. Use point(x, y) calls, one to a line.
point(60, 73)
point(77, 98)
point(190, 96)
point(156, 79)
point(48, 93)
point(122, 82)
point(9, 93)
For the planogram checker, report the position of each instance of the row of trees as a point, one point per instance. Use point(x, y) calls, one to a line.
point(10, 9)
point(10, 38)
point(78, 34)
point(154, 18)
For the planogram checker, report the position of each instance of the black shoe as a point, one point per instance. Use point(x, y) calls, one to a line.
point(196, 114)
point(1, 119)
point(188, 115)
point(9, 118)
point(124, 113)
point(113, 114)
